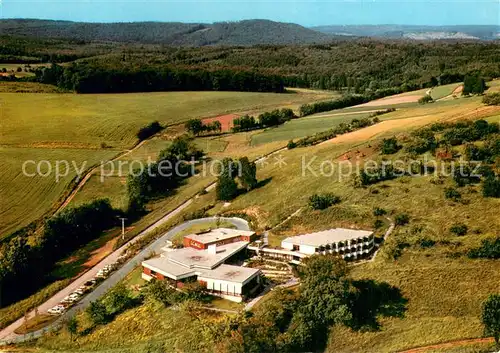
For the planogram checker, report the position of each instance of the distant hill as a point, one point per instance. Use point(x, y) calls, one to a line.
point(482, 32)
point(249, 32)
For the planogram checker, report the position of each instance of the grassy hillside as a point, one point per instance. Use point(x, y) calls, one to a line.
point(26, 198)
point(94, 128)
point(443, 287)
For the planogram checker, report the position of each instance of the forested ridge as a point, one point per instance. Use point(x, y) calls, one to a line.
point(353, 66)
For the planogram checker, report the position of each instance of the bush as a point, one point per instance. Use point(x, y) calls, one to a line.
point(453, 194)
point(97, 313)
point(491, 186)
point(321, 202)
point(291, 145)
point(402, 219)
point(426, 243)
point(426, 99)
point(377, 211)
point(492, 99)
point(389, 146)
point(378, 224)
point(459, 229)
point(489, 249)
point(148, 131)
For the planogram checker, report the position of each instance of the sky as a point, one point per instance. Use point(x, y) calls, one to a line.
point(304, 12)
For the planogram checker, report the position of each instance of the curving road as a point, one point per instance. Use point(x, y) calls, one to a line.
point(8, 336)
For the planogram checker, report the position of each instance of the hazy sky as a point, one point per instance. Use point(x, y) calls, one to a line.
point(305, 12)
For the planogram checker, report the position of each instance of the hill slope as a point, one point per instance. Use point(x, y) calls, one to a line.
point(483, 32)
point(249, 32)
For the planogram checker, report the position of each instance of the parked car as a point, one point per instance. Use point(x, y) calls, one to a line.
point(56, 310)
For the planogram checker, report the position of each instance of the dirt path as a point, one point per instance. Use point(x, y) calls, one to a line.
point(451, 344)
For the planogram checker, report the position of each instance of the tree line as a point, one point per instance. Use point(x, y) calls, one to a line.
point(94, 78)
point(27, 260)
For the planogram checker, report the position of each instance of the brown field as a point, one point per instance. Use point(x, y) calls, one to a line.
point(225, 120)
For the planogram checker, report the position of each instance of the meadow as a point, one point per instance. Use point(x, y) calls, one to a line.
point(302, 127)
point(95, 128)
point(26, 198)
point(73, 120)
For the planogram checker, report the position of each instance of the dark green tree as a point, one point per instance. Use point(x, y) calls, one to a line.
point(248, 177)
point(194, 126)
point(97, 313)
point(491, 317)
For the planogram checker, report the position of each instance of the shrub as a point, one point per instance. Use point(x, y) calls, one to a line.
point(97, 313)
point(426, 99)
point(489, 249)
point(453, 194)
point(426, 243)
point(291, 145)
point(492, 99)
point(402, 219)
point(389, 146)
point(491, 186)
point(149, 130)
point(459, 229)
point(377, 211)
point(378, 224)
point(321, 202)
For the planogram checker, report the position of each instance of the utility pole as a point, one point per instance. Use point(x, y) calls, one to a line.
point(123, 227)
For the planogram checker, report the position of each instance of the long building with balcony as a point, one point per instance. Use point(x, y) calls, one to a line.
point(350, 244)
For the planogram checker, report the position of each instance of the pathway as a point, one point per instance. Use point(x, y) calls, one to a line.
point(452, 344)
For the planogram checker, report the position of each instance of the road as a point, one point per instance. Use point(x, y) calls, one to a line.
point(8, 336)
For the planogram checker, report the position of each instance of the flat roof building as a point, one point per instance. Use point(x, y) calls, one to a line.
point(206, 264)
point(219, 236)
point(348, 243)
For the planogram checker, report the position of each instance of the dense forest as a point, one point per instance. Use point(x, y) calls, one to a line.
point(248, 32)
point(355, 66)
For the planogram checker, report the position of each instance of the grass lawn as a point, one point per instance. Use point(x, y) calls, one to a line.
point(302, 127)
point(26, 87)
point(443, 91)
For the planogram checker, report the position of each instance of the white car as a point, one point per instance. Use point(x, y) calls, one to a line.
point(56, 310)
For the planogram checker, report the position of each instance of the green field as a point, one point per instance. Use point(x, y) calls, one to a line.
point(114, 119)
point(302, 127)
point(26, 198)
point(443, 91)
point(94, 128)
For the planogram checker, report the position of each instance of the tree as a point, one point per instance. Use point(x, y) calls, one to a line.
point(226, 188)
point(248, 176)
point(491, 186)
point(194, 126)
point(97, 313)
point(325, 289)
point(491, 317)
point(473, 84)
point(72, 327)
point(119, 299)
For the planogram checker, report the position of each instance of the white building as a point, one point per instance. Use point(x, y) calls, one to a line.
point(348, 243)
point(207, 267)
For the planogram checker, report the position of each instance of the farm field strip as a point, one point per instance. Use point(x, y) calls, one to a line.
point(25, 198)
